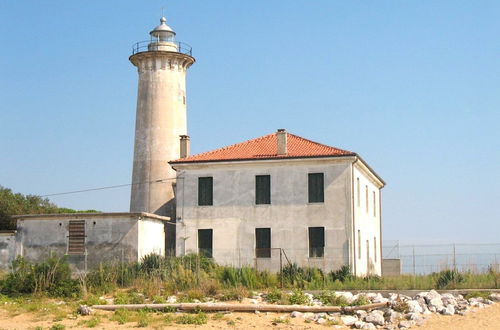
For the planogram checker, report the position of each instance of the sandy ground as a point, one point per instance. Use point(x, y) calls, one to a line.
point(487, 318)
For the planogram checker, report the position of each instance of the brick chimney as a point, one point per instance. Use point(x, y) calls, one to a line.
point(282, 141)
point(184, 146)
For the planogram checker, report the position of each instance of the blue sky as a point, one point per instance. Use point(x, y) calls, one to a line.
point(412, 86)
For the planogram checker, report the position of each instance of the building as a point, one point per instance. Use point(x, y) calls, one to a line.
point(279, 196)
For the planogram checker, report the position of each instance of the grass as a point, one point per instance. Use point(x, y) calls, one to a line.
point(197, 319)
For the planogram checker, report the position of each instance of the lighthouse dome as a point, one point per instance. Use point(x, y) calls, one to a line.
point(163, 32)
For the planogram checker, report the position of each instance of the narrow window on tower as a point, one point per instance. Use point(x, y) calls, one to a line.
point(263, 242)
point(262, 189)
point(359, 244)
point(359, 192)
point(366, 198)
point(316, 188)
point(205, 241)
point(205, 191)
point(374, 204)
point(375, 248)
point(316, 242)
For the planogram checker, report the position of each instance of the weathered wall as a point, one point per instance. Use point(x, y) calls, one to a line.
point(234, 215)
point(160, 120)
point(367, 247)
point(7, 249)
point(109, 237)
point(391, 267)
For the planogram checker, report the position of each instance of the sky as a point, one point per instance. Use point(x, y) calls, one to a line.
point(412, 86)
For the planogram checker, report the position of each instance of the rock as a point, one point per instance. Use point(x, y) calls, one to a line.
point(432, 295)
point(359, 324)
point(360, 314)
point(413, 316)
point(84, 310)
point(414, 307)
point(435, 302)
point(449, 310)
point(309, 316)
point(172, 300)
point(395, 317)
point(257, 312)
point(375, 317)
point(254, 301)
point(368, 326)
point(488, 302)
point(448, 299)
point(321, 320)
point(495, 297)
point(348, 320)
point(296, 314)
point(406, 324)
point(346, 294)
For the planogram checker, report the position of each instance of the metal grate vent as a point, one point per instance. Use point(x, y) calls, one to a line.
point(76, 241)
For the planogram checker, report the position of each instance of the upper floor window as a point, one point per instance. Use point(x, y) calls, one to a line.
point(316, 242)
point(205, 191)
point(366, 197)
point(262, 189)
point(316, 188)
point(374, 204)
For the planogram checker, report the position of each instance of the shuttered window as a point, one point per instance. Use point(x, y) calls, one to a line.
point(205, 240)
point(263, 242)
point(316, 188)
point(262, 189)
point(316, 242)
point(76, 237)
point(205, 191)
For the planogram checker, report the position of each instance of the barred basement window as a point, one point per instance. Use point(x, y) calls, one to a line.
point(262, 189)
point(76, 237)
point(316, 242)
point(316, 188)
point(205, 191)
point(205, 240)
point(263, 242)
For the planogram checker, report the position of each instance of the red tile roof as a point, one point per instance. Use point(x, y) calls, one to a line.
point(265, 147)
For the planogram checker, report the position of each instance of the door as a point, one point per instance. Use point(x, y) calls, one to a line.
point(205, 237)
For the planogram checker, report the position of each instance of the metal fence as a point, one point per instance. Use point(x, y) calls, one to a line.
point(429, 258)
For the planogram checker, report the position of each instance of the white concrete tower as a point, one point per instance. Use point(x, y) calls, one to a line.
point(162, 64)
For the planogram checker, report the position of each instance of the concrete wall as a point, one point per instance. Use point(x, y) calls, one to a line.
point(391, 267)
point(367, 240)
point(109, 237)
point(234, 215)
point(7, 248)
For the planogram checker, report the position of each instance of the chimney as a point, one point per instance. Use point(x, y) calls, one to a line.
point(184, 146)
point(282, 141)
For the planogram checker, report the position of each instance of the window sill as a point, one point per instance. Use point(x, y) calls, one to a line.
point(317, 258)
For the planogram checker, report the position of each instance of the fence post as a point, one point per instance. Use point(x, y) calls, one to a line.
point(454, 258)
point(414, 266)
point(281, 268)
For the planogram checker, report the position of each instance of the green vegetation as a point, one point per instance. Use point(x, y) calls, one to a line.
point(15, 203)
point(198, 319)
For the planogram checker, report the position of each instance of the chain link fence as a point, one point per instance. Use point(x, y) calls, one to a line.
point(429, 258)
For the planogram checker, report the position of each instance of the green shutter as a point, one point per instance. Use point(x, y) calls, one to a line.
point(263, 189)
point(316, 241)
point(205, 191)
point(316, 187)
point(205, 240)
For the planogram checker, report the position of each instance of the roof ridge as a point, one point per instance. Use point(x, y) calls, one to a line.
point(321, 144)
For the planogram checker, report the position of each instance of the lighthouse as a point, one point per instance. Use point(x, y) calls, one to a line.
point(162, 64)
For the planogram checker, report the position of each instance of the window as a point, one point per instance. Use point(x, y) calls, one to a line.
point(205, 191)
point(366, 198)
point(375, 248)
point(374, 204)
point(359, 244)
point(316, 242)
point(359, 192)
point(76, 237)
point(262, 189)
point(316, 188)
point(263, 242)
point(205, 242)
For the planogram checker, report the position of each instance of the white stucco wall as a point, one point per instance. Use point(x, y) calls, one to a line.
point(234, 215)
point(367, 251)
point(151, 237)
point(7, 249)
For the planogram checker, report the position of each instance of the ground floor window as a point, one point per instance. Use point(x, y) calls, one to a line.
point(205, 240)
point(76, 237)
point(263, 242)
point(316, 242)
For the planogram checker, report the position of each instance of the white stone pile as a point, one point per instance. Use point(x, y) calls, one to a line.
point(402, 312)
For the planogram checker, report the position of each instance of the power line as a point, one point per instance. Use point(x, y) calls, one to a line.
point(107, 187)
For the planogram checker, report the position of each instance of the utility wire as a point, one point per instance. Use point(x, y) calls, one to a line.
point(107, 187)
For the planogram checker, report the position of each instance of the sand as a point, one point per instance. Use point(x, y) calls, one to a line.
point(486, 318)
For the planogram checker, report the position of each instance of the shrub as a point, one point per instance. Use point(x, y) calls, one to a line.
point(449, 277)
point(298, 298)
point(274, 296)
point(341, 274)
point(151, 263)
point(52, 277)
point(58, 326)
point(329, 298)
point(198, 319)
point(360, 301)
point(121, 316)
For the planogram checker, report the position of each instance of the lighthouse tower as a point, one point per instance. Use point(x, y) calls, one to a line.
point(162, 64)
